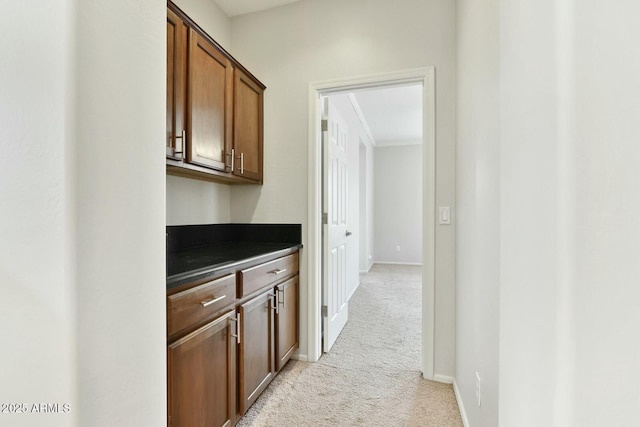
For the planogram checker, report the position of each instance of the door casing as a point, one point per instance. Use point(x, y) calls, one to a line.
point(425, 76)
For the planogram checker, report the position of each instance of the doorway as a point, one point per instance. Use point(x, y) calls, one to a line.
point(425, 77)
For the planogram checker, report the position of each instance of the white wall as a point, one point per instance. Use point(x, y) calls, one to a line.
point(120, 83)
point(191, 201)
point(397, 190)
point(601, 87)
point(370, 173)
point(37, 283)
point(208, 15)
point(82, 267)
point(365, 201)
point(478, 213)
point(572, 201)
point(569, 209)
point(532, 185)
point(289, 47)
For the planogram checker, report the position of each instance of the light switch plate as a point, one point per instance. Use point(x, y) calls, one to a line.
point(445, 215)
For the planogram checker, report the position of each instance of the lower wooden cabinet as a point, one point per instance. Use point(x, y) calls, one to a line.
point(286, 322)
point(237, 346)
point(256, 361)
point(202, 376)
point(269, 329)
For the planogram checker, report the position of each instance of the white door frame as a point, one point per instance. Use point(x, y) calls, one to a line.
point(426, 76)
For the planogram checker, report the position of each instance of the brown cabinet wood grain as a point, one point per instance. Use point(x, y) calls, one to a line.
point(286, 321)
point(257, 277)
point(209, 113)
point(223, 351)
point(256, 359)
point(202, 376)
point(214, 108)
point(176, 85)
point(247, 126)
point(193, 307)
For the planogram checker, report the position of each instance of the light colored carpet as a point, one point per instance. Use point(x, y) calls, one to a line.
point(372, 375)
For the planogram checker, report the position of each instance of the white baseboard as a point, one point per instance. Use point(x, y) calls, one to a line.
point(463, 413)
point(443, 379)
point(300, 357)
point(353, 291)
point(398, 263)
point(368, 268)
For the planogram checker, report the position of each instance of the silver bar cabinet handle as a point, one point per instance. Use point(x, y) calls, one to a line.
point(212, 301)
point(274, 307)
point(281, 297)
point(278, 271)
point(183, 137)
point(241, 157)
point(237, 334)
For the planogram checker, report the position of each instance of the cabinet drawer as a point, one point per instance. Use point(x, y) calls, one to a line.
point(255, 278)
point(196, 305)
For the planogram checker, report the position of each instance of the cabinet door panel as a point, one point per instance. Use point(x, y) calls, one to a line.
point(248, 127)
point(202, 376)
point(256, 348)
point(210, 103)
point(286, 321)
point(176, 84)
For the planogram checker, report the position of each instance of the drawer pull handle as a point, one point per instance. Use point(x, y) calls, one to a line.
point(212, 301)
point(278, 271)
point(237, 334)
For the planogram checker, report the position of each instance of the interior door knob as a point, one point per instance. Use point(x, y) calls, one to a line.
point(349, 233)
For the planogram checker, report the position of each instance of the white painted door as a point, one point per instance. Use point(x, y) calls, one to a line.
point(335, 234)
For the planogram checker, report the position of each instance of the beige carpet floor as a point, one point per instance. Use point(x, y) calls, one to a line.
point(372, 375)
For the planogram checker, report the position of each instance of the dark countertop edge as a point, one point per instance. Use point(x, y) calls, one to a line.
point(177, 281)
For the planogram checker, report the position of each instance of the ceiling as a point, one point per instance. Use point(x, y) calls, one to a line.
point(390, 116)
point(393, 115)
point(240, 7)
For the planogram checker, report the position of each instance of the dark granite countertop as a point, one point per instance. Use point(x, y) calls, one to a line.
point(196, 253)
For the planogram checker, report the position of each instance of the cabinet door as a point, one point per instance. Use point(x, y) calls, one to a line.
point(202, 376)
point(286, 321)
point(210, 101)
point(256, 348)
point(176, 84)
point(247, 127)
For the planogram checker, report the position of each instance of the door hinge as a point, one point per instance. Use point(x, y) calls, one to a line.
point(324, 125)
point(325, 311)
point(325, 218)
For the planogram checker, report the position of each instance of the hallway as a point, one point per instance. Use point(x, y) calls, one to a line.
point(372, 375)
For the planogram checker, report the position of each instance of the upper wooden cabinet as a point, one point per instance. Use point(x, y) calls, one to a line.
point(209, 116)
point(176, 85)
point(214, 108)
point(247, 126)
